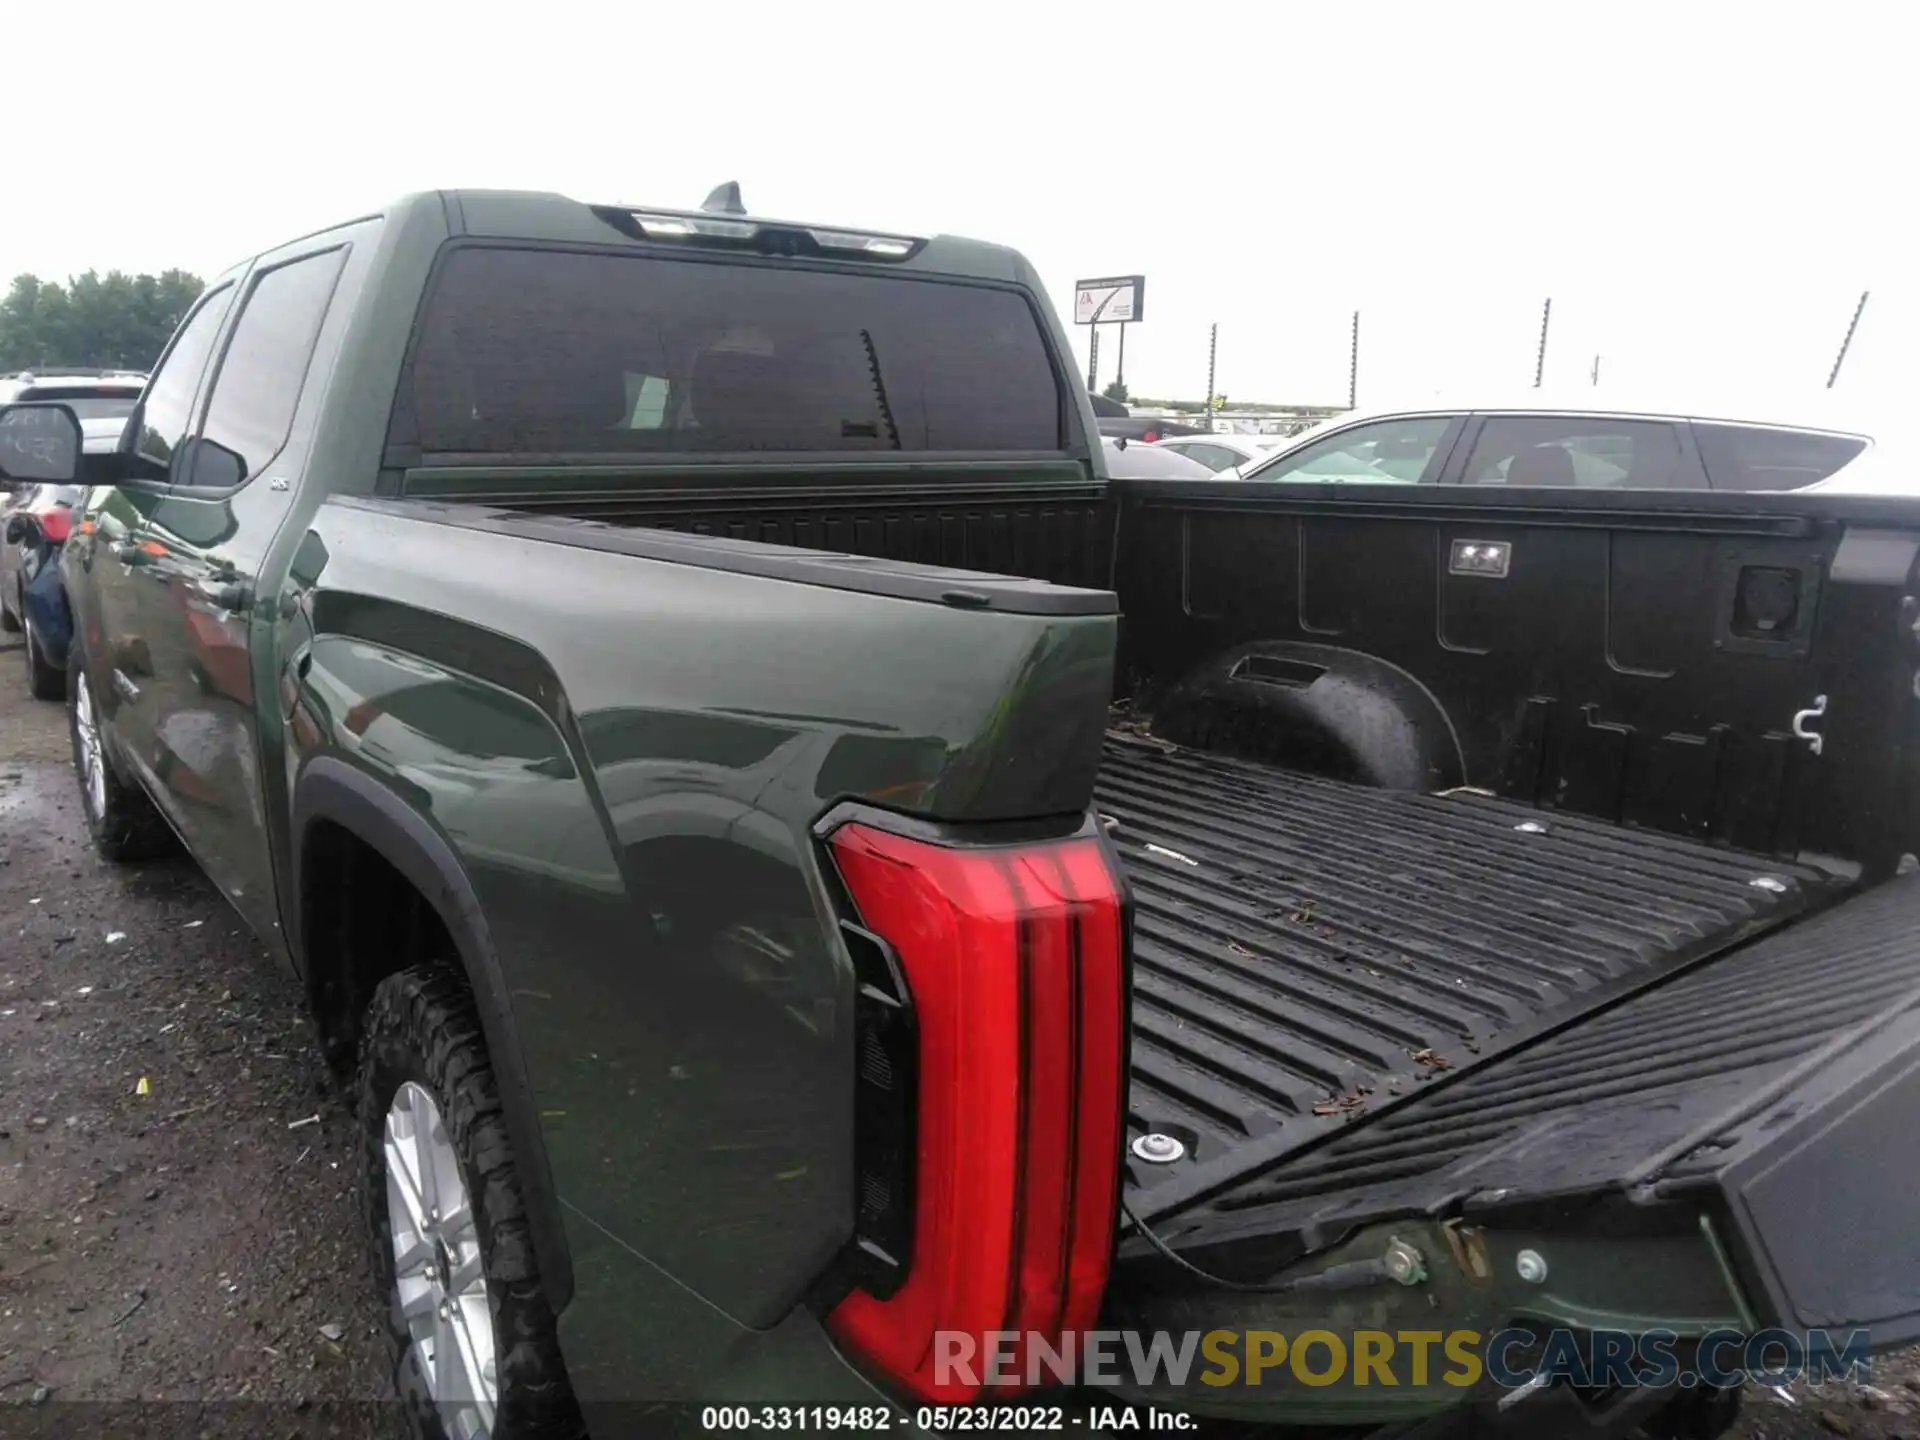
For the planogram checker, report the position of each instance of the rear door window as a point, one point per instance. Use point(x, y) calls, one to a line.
point(540, 352)
point(1750, 457)
point(1579, 451)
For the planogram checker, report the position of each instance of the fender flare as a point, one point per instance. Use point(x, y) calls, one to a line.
point(331, 789)
point(1317, 708)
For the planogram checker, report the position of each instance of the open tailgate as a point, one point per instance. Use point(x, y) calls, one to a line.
point(1820, 1181)
point(1769, 1099)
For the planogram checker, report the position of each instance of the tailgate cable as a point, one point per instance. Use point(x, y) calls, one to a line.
point(1353, 1275)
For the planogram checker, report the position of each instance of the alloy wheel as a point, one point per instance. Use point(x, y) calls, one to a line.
point(440, 1279)
point(93, 761)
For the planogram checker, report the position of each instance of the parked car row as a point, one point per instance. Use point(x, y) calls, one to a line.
point(36, 519)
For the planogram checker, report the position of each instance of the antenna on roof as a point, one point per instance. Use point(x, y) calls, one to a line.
point(725, 199)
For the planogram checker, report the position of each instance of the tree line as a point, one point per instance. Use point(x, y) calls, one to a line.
point(93, 321)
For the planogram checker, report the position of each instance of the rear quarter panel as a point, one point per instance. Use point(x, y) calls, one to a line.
point(627, 757)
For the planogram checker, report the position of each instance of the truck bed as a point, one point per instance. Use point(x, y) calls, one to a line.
point(1310, 953)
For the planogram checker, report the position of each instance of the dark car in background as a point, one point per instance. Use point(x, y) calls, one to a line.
point(34, 525)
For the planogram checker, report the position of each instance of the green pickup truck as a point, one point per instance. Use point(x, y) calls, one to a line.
point(807, 877)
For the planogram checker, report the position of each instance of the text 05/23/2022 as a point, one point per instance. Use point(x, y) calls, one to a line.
point(957, 1419)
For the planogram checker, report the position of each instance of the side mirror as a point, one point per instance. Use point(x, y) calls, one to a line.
point(39, 442)
point(17, 529)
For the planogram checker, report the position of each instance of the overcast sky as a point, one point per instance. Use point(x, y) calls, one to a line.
point(1703, 189)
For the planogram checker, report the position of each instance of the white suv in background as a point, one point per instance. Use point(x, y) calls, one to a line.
point(1582, 445)
point(101, 399)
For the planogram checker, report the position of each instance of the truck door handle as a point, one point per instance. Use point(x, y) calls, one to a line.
point(1816, 742)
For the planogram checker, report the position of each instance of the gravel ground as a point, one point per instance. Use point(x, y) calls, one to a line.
point(198, 1244)
point(176, 1225)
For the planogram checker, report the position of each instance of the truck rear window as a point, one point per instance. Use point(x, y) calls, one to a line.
point(540, 352)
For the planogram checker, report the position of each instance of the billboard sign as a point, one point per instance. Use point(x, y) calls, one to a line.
point(1100, 302)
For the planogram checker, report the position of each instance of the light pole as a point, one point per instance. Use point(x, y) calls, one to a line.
point(1093, 343)
point(1847, 344)
point(1353, 365)
point(1540, 360)
point(1213, 349)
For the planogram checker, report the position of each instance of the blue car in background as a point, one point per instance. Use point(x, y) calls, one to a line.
point(34, 525)
point(35, 519)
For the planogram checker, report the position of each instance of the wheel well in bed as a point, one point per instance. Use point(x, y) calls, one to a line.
point(1318, 709)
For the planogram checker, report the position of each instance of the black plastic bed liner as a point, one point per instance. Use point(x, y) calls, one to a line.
point(1310, 953)
point(1767, 1099)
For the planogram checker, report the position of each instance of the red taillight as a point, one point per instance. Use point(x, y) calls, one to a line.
point(1149, 437)
point(1014, 958)
point(56, 525)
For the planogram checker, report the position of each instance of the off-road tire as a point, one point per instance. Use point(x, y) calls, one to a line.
point(44, 681)
point(421, 1026)
point(129, 826)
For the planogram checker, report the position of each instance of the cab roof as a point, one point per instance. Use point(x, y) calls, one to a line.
point(558, 219)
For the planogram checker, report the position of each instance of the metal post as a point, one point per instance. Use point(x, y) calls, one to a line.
point(1121, 373)
point(1093, 342)
point(1213, 347)
point(1847, 344)
point(1353, 365)
point(1540, 360)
